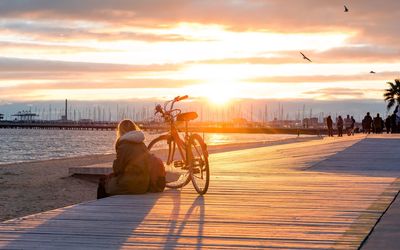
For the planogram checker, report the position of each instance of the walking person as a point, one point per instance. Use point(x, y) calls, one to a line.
point(368, 123)
point(397, 118)
point(347, 125)
point(388, 124)
point(378, 124)
point(363, 126)
point(353, 124)
point(339, 125)
point(329, 124)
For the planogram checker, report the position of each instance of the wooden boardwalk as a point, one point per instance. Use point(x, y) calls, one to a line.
point(284, 196)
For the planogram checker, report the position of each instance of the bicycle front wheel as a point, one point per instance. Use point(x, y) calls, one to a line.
point(165, 148)
point(199, 167)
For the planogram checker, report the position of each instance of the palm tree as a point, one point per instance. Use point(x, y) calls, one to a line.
point(392, 94)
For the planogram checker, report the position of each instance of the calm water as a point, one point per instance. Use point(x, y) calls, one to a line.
point(19, 145)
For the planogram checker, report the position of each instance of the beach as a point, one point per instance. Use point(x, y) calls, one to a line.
point(32, 187)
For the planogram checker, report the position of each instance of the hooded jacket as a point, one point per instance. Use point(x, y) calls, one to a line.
point(131, 174)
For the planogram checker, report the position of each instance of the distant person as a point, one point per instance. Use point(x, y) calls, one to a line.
point(388, 124)
point(363, 126)
point(353, 124)
point(130, 171)
point(329, 124)
point(378, 122)
point(347, 125)
point(339, 125)
point(368, 123)
point(397, 116)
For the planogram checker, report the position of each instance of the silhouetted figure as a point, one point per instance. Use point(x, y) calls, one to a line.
point(388, 124)
point(339, 125)
point(347, 125)
point(363, 126)
point(353, 124)
point(305, 58)
point(396, 120)
point(329, 124)
point(378, 122)
point(372, 72)
point(367, 123)
point(346, 9)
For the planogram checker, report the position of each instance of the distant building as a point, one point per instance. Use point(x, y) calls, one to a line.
point(25, 115)
point(65, 116)
point(310, 122)
point(239, 122)
point(1, 116)
point(284, 123)
point(85, 121)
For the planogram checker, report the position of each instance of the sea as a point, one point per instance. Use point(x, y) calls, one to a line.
point(24, 145)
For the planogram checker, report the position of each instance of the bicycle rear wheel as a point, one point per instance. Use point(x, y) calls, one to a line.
point(164, 147)
point(199, 167)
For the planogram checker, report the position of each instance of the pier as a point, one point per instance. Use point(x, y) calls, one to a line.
point(158, 127)
point(324, 194)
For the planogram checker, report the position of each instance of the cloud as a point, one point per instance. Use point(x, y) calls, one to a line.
point(101, 84)
point(34, 48)
point(338, 93)
point(381, 76)
point(29, 65)
point(290, 15)
point(85, 30)
point(343, 54)
point(66, 31)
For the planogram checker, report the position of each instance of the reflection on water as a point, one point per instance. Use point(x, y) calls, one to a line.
point(218, 139)
point(18, 145)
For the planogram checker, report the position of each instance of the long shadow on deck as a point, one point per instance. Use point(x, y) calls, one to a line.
point(371, 157)
point(109, 223)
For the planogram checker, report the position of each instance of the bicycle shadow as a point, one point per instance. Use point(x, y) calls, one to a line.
point(194, 215)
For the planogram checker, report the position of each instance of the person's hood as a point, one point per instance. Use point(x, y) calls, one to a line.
point(132, 136)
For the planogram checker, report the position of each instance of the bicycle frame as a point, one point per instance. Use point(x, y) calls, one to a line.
point(174, 133)
point(182, 145)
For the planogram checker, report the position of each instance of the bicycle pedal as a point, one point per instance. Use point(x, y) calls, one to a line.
point(179, 164)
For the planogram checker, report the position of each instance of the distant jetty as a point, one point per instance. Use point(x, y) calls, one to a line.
point(63, 125)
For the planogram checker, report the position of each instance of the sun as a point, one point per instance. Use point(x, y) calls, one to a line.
point(218, 93)
point(219, 97)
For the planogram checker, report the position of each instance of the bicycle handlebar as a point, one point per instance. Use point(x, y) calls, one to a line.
point(180, 98)
point(164, 112)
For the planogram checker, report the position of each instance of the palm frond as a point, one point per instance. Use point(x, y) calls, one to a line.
point(390, 104)
point(392, 94)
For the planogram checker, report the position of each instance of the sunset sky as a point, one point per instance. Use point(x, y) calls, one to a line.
point(113, 50)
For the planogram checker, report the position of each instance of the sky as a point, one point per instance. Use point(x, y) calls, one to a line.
point(101, 50)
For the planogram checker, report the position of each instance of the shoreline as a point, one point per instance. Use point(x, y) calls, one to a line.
point(36, 186)
point(82, 160)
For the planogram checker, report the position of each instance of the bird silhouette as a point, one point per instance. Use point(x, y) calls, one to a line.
point(346, 9)
point(372, 72)
point(305, 58)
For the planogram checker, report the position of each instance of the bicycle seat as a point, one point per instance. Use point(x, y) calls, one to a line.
point(184, 117)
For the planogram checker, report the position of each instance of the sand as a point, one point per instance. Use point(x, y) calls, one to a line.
point(33, 187)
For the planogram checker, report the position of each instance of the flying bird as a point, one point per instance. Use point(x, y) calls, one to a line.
point(305, 58)
point(372, 72)
point(346, 9)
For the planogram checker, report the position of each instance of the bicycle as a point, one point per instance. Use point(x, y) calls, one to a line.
point(190, 161)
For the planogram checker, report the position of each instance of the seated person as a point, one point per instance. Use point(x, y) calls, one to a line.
point(130, 172)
